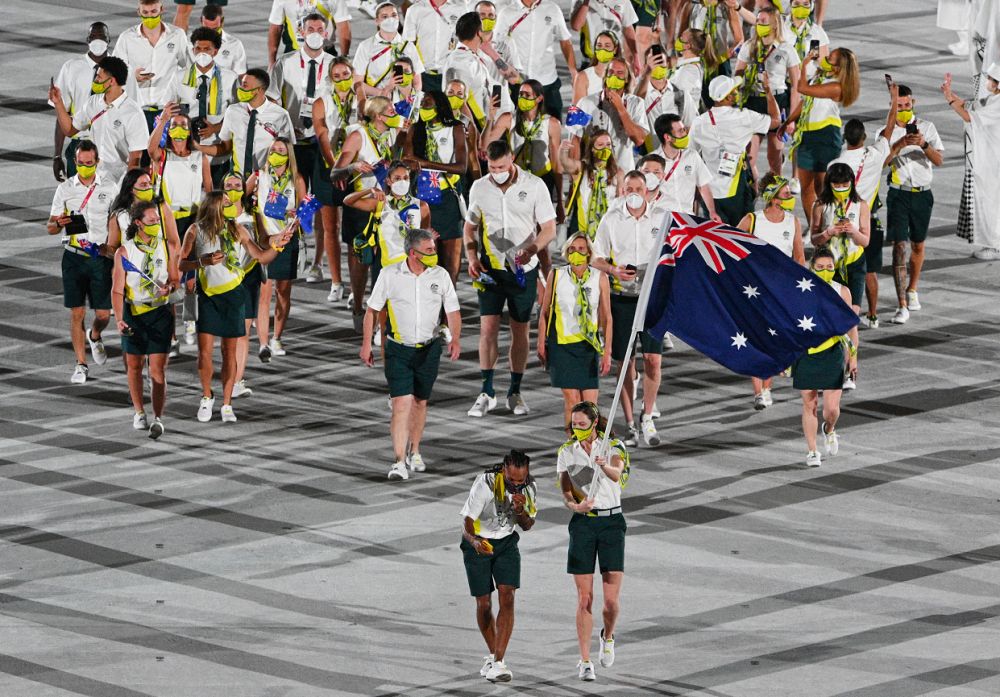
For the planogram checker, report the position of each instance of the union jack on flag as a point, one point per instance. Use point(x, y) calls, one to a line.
point(276, 205)
point(714, 241)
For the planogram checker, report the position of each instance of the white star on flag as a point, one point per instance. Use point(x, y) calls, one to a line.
point(750, 291)
point(806, 323)
point(772, 332)
point(739, 341)
point(804, 285)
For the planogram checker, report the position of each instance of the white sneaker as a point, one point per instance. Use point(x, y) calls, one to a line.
point(336, 293)
point(156, 429)
point(228, 415)
point(668, 342)
point(832, 441)
point(794, 186)
point(139, 422)
point(97, 350)
point(276, 348)
point(869, 322)
point(398, 471)
point(79, 374)
point(758, 402)
point(487, 664)
point(498, 672)
point(912, 300)
point(649, 431)
point(240, 389)
point(205, 409)
point(315, 274)
point(848, 385)
point(607, 651)
point(515, 402)
point(766, 396)
point(902, 314)
point(587, 671)
point(632, 440)
point(189, 332)
point(175, 349)
point(813, 459)
point(484, 404)
point(987, 254)
point(416, 462)
point(350, 299)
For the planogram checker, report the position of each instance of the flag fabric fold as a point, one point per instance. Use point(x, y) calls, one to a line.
point(739, 300)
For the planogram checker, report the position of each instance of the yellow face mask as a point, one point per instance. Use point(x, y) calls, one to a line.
point(143, 194)
point(658, 73)
point(456, 102)
point(763, 30)
point(841, 194)
point(577, 258)
point(681, 143)
point(825, 274)
point(407, 79)
point(343, 85)
point(276, 159)
point(229, 211)
point(603, 55)
point(179, 133)
point(428, 260)
point(525, 104)
point(245, 95)
point(235, 195)
point(86, 171)
point(801, 12)
point(151, 22)
point(151, 230)
point(904, 116)
point(602, 154)
point(826, 65)
point(678, 46)
point(582, 434)
point(99, 87)
point(787, 204)
point(489, 24)
point(428, 115)
point(613, 82)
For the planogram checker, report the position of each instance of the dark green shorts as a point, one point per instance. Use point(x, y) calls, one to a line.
point(222, 315)
point(502, 568)
point(251, 283)
point(412, 371)
point(446, 217)
point(855, 279)
point(573, 366)
point(519, 300)
point(622, 315)
point(873, 252)
point(285, 266)
point(596, 539)
point(151, 331)
point(819, 148)
point(820, 371)
point(352, 224)
point(908, 215)
point(646, 15)
point(220, 3)
point(322, 187)
point(733, 208)
point(759, 104)
point(86, 281)
point(306, 154)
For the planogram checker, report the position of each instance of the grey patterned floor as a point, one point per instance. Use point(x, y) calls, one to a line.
point(272, 559)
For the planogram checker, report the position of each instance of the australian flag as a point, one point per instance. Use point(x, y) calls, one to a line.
point(306, 212)
point(429, 186)
point(403, 107)
point(381, 171)
point(577, 117)
point(276, 205)
point(739, 300)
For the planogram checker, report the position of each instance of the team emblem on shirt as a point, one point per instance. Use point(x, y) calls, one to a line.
point(102, 197)
point(435, 288)
point(687, 169)
point(170, 47)
point(522, 195)
point(117, 124)
point(194, 166)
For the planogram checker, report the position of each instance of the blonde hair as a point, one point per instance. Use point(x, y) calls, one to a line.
point(292, 165)
point(703, 47)
point(849, 77)
point(375, 106)
point(210, 220)
point(573, 238)
point(776, 24)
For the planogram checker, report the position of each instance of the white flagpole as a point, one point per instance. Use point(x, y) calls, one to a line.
point(637, 324)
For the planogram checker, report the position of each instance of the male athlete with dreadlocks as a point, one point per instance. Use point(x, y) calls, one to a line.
point(502, 497)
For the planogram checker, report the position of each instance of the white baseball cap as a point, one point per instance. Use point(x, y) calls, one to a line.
point(720, 87)
point(994, 71)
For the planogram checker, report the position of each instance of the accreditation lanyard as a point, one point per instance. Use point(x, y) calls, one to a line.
point(671, 172)
point(523, 17)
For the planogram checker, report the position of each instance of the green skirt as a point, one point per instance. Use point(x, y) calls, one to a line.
point(573, 366)
point(151, 331)
point(446, 217)
point(820, 371)
point(285, 266)
point(251, 282)
point(223, 315)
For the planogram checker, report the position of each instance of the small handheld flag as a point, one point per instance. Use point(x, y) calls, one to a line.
point(577, 117)
point(403, 107)
point(429, 186)
point(306, 212)
point(129, 266)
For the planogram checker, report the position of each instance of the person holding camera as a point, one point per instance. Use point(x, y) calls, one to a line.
point(916, 150)
point(502, 498)
point(376, 57)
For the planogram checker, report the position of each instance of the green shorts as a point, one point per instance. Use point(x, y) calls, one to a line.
point(410, 370)
point(519, 300)
point(873, 252)
point(622, 315)
point(854, 278)
point(573, 366)
point(820, 371)
point(596, 539)
point(151, 331)
point(86, 281)
point(446, 217)
point(759, 104)
point(502, 568)
point(908, 215)
point(222, 315)
point(285, 266)
point(251, 283)
point(819, 148)
point(352, 223)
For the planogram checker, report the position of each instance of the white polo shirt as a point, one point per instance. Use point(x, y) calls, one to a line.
point(687, 77)
point(623, 239)
point(911, 167)
point(535, 32)
point(657, 103)
point(777, 61)
point(272, 121)
point(69, 197)
point(117, 129)
point(510, 218)
point(575, 461)
point(414, 302)
point(479, 74)
point(721, 136)
point(432, 29)
point(600, 118)
point(375, 57)
point(289, 79)
point(291, 14)
point(232, 54)
point(868, 162)
point(495, 520)
point(75, 79)
point(683, 177)
point(172, 51)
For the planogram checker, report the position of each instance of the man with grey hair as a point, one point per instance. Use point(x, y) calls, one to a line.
point(412, 293)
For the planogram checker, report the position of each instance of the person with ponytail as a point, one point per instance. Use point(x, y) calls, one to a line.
point(687, 74)
point(502, 498)
point(140, 301)
point(591, 475)
point(212, 249)
point(723, 28)
point(591, 79)
point(616, 110)
point(597, 180)
point(535, 140)
point(778, 226)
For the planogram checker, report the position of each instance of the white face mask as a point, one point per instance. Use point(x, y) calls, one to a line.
point(500, 177)
point(389, 25)
point(98, 47)
point(314, 41)
point(634, 201)
point(203, 60)
point(400, 187)
point(652, 181)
